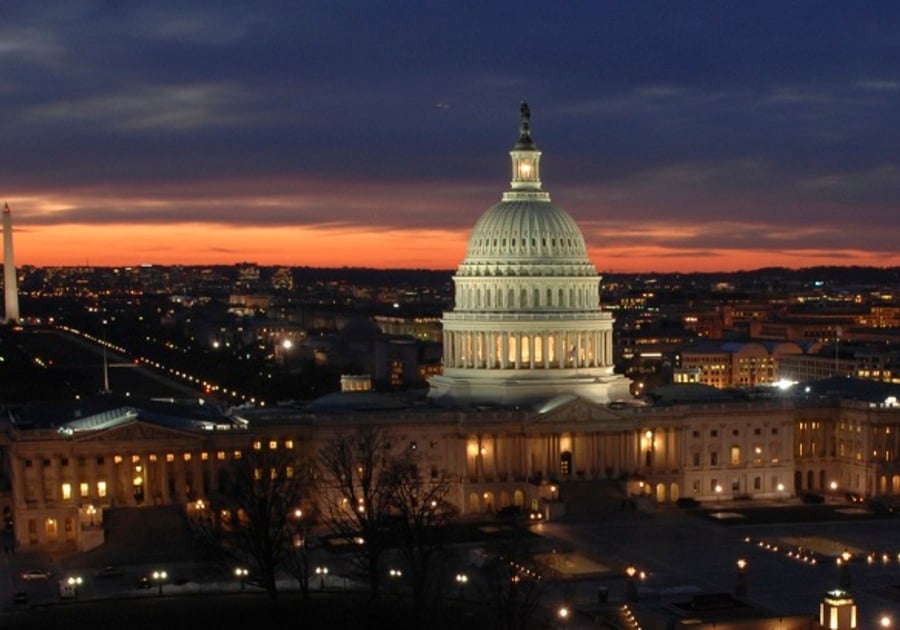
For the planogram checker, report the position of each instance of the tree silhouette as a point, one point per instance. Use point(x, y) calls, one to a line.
point(257, 508)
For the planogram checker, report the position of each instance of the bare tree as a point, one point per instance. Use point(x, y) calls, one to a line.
point(257, 507)
point(357, 494)
point(423, 517)
point(515, 587)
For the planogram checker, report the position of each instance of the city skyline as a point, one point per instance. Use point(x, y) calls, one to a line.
point(701, 137)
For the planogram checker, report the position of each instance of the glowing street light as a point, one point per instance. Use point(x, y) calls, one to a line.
point(740, 589)
point(241, 573)
point(462, 579)
point(885, 621)
point(159, 577)
point(630, 587)
point(844, 562)
point(322, 571)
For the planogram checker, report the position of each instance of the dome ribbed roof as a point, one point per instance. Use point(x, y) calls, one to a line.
point(525, 234)
point(526, 230)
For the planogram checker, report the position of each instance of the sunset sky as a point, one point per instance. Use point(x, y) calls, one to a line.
point(681, 136)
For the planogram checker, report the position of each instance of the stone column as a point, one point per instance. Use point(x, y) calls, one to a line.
point(198, 486)
point(18, 477)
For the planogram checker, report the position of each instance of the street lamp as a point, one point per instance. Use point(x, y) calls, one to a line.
point(631, 593)
point(91, 510)
point(74, 582)
point(844, 562)
point(885, 621)
point(322, 571)
point(740, 589)
point(241, 573)
point(159, 577)
point(718, 492)
point(563, 614)
point(462, 579)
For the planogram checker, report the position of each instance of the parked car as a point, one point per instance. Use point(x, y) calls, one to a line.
point(36, 574)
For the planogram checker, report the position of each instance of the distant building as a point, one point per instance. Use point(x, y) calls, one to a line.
point(732, 364)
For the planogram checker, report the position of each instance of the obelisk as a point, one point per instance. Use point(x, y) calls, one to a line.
point(10, 282)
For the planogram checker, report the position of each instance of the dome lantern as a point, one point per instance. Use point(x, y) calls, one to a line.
point(526, 159)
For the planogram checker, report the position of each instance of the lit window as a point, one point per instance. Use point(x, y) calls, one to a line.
point(117, 459)
point(84, 488)
point(204, 456)
point(152, 457)
point(257, 445)
point(220, 455)
point(289, 444)
point(237, 454)
point(135, 459)
point(289, 472)
point(101, 489)
point(170, 457)
point(187, 457)
point(66, 491)
point(273, 444)
point(257, 473)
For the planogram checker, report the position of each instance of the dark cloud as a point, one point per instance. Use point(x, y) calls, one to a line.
point(778, 117)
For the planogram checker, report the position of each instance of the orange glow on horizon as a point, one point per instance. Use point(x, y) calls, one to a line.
point(201, 244)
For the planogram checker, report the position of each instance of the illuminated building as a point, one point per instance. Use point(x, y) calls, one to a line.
point(527, 323)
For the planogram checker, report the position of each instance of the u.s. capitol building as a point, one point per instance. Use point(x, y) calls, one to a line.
point(527, 406)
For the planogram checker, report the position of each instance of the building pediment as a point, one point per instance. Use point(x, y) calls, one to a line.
point(136, 431)
point(573, 410)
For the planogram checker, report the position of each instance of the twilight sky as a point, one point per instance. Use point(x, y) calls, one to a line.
point(682, 136)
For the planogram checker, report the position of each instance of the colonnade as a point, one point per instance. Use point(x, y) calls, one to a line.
point(593, 455)
point(527, 350)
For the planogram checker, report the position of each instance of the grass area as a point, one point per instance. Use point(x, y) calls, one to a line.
point(788, 514)
point(245, 611)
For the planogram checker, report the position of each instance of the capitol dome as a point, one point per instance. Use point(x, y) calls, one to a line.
point(527, 323)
